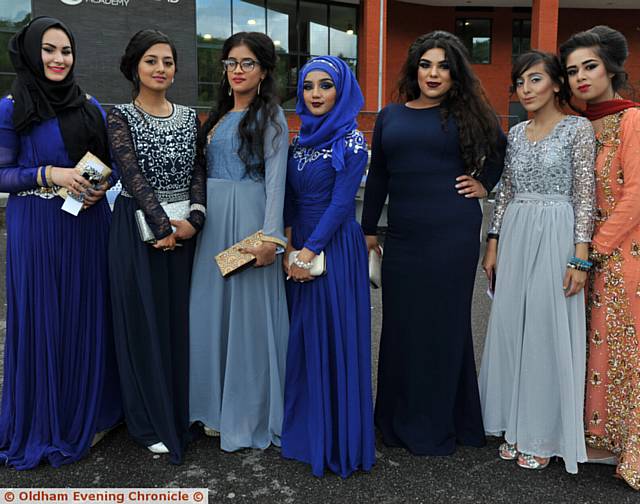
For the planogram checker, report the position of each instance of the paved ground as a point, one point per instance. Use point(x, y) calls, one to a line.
point(471, 475)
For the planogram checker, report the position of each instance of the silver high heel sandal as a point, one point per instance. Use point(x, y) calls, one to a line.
point(508, 451)
point(529, 462)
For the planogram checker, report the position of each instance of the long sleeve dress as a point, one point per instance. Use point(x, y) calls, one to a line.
point(240, 325)
point(150, 287)
point(60, 377)
point(612, 412)
point(427, 387)
point(328, 419)
point(532, 374)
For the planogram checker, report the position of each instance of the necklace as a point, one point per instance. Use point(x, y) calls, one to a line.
point(140, 106)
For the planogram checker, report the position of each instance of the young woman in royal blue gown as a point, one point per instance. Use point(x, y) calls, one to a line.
point(60, 380)
point(328, 418)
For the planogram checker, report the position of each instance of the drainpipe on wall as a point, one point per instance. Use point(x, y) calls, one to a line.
point(380, 54)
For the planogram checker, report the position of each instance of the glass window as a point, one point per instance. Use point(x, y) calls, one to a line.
point(213, 20)
point(314, 29)
point(249, 16)
point(521, 38)
point(476, 36)
point(281, 25)
point(299, 29)
point(343, 40)
point(14, 15)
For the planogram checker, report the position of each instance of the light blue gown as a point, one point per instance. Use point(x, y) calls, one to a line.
point(239, 326)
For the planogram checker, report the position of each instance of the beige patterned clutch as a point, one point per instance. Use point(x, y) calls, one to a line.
point(232, 261)
point(92, 169)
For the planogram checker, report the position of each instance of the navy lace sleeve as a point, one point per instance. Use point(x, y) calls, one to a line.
point(115, 173)
point(13, 177)
point(377, 187)
point(133, 180)
point(344, 193)
point(198, 188)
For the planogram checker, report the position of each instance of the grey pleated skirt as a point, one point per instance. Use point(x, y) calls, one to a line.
point(533, 367)
point(239, 326)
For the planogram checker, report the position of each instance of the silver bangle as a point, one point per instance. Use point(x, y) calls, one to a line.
point(199, 208)
point(304, 265)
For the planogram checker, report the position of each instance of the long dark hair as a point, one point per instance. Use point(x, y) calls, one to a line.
point(552, 67)
point(611, 46)
point(263, 109)
point(137, 46)
point(466, 101)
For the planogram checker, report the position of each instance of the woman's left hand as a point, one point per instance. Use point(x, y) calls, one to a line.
point(470, 187)
point(184, 229)
point(92, 196)
point(264, 253)
point(298, 274)
point(574, 281)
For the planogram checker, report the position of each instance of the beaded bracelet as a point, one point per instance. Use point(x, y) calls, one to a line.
point(579, 264)
point(304, 265)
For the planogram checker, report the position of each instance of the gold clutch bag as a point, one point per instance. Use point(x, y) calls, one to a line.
point(232, 261)
point(92, 169)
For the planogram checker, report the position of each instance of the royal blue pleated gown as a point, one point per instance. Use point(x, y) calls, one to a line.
point(328, 418)
point(60, 378)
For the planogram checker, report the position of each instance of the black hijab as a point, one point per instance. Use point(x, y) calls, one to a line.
point(37, 98)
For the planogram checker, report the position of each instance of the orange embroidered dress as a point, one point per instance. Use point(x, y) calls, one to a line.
point(612, 411)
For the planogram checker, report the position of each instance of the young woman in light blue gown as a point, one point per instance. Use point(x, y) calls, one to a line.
point(239, 325)
point(328, 420)
point(533, 368)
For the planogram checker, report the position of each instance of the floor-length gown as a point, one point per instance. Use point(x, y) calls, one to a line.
point(328, 419)
point(612, 411)
point(240, 325)
point(532, 374)
point(60, 377)
point(149, 286)
point(427, 397)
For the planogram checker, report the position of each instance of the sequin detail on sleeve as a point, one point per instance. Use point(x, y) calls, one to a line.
point(505, 190)
point(583, 190)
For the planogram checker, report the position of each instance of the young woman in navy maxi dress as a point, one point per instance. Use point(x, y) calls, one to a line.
point(434, 156)
point(328, 418)
point(60, 379)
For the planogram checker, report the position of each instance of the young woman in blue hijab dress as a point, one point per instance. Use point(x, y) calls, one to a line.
point(328, 417)
point(60, 384)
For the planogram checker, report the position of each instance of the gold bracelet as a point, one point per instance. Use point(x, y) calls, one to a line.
point(47, 175)
point(39, 176)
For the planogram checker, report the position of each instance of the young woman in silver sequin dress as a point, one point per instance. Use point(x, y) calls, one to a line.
point(533, 368)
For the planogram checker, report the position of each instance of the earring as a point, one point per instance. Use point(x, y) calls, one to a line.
point(259, 87)
point(173, 79)
point(230, 90)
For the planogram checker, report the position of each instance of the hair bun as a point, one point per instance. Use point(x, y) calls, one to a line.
point(613, 42)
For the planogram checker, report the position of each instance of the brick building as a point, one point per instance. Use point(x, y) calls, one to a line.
point(371, 35)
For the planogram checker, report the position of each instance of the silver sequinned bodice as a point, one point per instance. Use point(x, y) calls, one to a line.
point(559, 164)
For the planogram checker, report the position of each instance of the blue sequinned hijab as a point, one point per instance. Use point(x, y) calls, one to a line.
point(329, 130)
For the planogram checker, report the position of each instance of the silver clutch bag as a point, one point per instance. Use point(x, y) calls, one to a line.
point(179, 210)
point(375, 268)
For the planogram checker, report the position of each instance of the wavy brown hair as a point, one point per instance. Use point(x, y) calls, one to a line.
point(466, 101)
point(262, 111)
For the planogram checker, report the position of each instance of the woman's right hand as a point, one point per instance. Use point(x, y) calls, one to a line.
point(166, 243)
point(490, 258)
point(372, 244)
point(70, 179)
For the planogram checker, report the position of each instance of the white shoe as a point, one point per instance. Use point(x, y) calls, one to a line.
point(208, 431)
point(158, 448)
